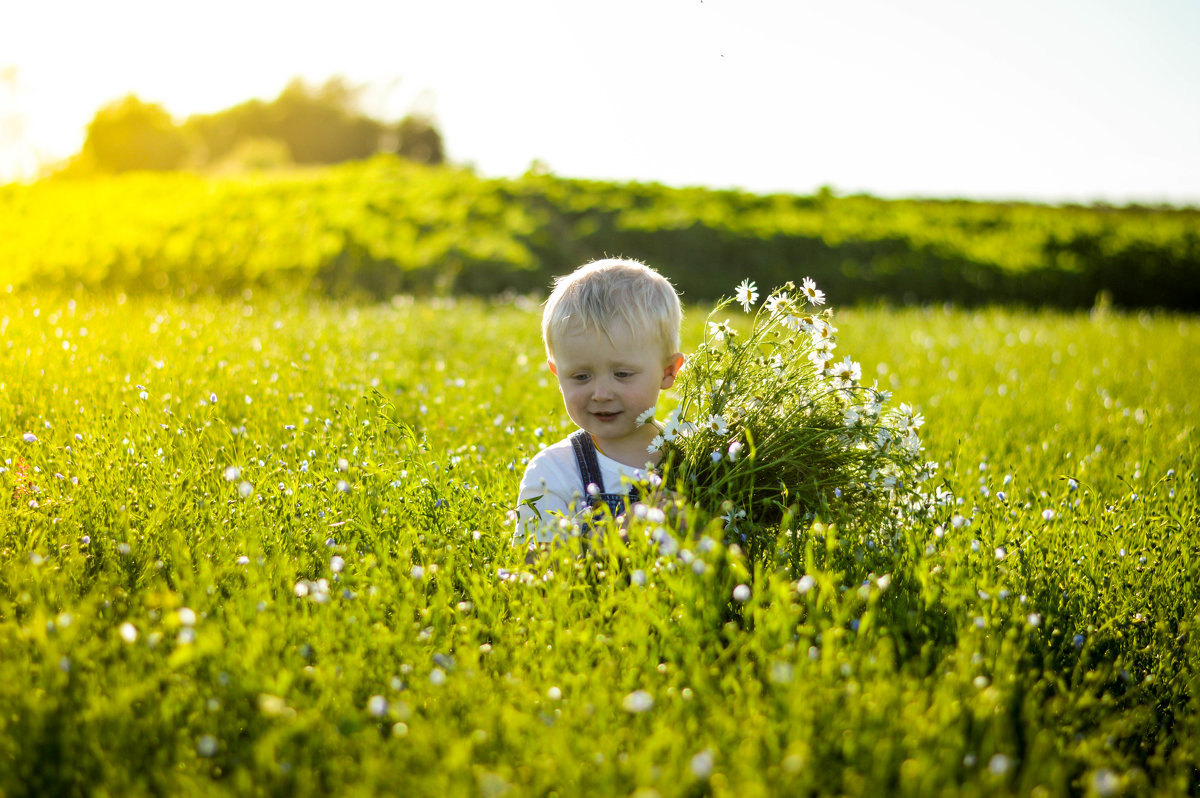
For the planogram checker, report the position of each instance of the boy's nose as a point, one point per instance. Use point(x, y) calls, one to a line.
point(602, 390)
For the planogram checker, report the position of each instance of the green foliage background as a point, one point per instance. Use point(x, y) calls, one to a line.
point(1025, 653)
point(386, 226)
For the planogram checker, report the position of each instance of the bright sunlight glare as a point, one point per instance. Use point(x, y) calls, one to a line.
point(1053, 101)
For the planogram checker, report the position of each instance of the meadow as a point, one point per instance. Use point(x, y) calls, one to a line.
point(259, 545)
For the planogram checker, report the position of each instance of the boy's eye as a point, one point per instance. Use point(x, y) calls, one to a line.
point(624, 375)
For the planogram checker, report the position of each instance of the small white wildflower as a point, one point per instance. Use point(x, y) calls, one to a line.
point(805, 584)
point(716, 424)
point(29, 437)
point(741, 593)
point(646, 415)
point(207, 746)
point(746, 294)
point(336, 564)
point(554, 694)
point(732, 517)
point(656, 443)
point(245, 489)
point(735, 450)
point(186, 616)
point(720, 331)
point(1048, 514)
point(847, 373)
point(781, 304)
point(811, 293)
point(232, 472)
point(377, 705)
point(129, 632)
point(1106, 783)
point(702, 764)
point(437, 677)
point(638, 701)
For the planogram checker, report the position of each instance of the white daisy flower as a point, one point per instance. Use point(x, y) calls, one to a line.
point(846, 374)
point(820, 357)
point(809, 289)
point(746, 294)
point(656, 444)
point(823, 333)
point(646, 415)
point(716, 424)
point(909, 417)
point(720, 331)
point(781, 304)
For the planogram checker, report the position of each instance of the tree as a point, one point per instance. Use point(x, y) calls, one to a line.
point(418, 140)
point(131, 134)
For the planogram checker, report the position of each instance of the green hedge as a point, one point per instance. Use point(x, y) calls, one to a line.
point(384, 226)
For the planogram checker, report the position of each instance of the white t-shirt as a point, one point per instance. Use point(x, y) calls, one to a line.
point(554, 475)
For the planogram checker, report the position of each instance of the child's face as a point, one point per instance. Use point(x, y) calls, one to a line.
point(606, 384)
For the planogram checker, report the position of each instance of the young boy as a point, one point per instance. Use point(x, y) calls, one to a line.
point(611, 330)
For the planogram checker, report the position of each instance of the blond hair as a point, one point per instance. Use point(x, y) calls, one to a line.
point(602, 293)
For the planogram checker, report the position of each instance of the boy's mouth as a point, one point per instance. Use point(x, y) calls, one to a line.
point(607, 415)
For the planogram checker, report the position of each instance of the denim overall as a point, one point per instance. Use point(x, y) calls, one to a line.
point(589, 469)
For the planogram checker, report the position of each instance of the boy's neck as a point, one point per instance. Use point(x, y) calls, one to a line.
point(632, 453)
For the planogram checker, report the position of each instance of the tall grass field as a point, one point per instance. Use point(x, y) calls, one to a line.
point(260, 546)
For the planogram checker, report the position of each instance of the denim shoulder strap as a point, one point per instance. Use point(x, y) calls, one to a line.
point(585, 458)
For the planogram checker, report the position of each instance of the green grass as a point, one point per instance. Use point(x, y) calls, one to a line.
point(389, 440)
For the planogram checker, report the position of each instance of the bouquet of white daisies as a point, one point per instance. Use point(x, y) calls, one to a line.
point(771, 426)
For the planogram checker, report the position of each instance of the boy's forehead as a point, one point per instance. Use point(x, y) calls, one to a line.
point(613, 331)
point(580, 340)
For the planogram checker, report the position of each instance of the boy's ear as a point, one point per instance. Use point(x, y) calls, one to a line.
point(550, 364)
point(674, 364)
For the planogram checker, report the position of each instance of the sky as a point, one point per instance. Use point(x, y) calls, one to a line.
point(1044, 100)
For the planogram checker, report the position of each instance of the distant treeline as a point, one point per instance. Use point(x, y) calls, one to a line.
point(386, 225)
point(303, 125)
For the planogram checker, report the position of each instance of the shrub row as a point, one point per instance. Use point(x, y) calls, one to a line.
point(384, 226)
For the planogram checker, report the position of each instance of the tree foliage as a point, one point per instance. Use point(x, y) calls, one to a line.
point(132, 134)
point(315, 125)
